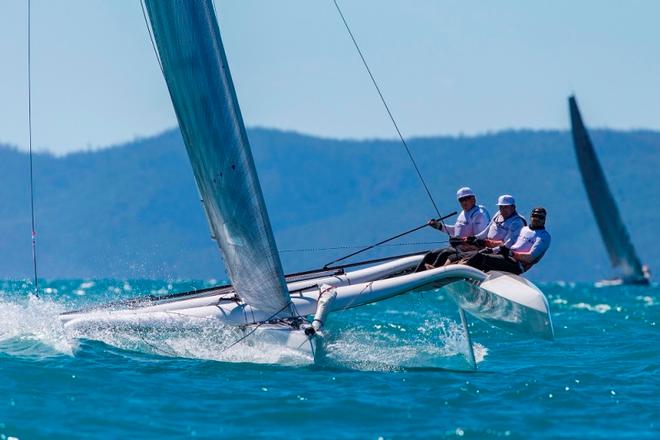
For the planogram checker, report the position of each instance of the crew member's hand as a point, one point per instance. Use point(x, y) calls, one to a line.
point(435, 224)
point(455, 241)
point(491, 243)
point(476, 241)
point(504, 251)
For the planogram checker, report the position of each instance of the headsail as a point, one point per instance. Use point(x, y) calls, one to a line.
point(617, 241)
point(195, 67)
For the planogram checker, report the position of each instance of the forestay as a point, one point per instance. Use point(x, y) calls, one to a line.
point(195, 67)
point(617, 241)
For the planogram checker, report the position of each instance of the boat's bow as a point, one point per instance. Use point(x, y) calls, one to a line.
point(506, 301)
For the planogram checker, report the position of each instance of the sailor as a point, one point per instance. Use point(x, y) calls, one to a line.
point(505, 227)
point(503, 230)
point(472, 220)
point(526, 251)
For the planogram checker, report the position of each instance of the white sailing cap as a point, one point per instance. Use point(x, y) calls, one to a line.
point(466, 191)
point(505, 200)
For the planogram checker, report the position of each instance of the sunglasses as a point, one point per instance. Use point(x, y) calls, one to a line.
point(539, 216)
point(464, 199)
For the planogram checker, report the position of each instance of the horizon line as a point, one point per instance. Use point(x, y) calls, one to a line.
point(367, 139)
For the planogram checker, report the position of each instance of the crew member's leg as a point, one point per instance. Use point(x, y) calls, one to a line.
point(494, 262)
point(429, 258)
point(443, 255)
point(460, 257)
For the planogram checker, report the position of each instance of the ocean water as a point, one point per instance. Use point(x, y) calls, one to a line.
point(395, 369)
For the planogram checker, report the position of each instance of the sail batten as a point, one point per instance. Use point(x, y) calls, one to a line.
point(614, 233)
point(192, 55)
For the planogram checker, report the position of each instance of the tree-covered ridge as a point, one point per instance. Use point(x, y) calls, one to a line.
point(132, 210)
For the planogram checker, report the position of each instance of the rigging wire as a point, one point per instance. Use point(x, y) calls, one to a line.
point(359, 246)
point(29, 74)
point(387, 108)
point(380, 243)
point(256, 327)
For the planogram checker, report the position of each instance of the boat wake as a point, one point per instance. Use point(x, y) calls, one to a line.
point(30, 328)
point(439, 343)
point(201, 339)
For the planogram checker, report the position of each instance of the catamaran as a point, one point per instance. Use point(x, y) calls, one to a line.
point(620, 249)
point(286, 310)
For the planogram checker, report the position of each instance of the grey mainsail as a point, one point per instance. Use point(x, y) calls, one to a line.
point(615, 235)
point(194, 64)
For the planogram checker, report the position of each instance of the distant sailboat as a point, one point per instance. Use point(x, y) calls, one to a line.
point(261, 300)
point(614, 233)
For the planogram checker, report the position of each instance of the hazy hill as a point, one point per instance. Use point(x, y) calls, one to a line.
point(132, 210)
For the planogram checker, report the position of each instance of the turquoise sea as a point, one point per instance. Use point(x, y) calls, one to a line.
point(390, 370)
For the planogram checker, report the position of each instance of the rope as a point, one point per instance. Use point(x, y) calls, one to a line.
point(210, 318)
point(29, 72)
point(351, 302)
point(248, 334)
point(387, 108)
point(410, 231)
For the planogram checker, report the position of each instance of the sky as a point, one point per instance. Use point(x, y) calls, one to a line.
point(446, 67)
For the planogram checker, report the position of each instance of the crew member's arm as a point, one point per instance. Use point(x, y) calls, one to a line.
point(480, 223)
point(493, 243)
point(535, 253)
point(511, 238)
point(483, 235)
point(439, 226)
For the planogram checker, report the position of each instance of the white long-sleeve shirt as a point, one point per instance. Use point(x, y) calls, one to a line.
point(533, 243)
point(504, 230)
point(469, 223)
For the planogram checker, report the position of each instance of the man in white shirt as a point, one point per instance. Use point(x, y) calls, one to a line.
point(528, 249)
point(505, 227)
point(472, 220)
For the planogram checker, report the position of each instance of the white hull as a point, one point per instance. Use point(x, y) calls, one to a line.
point(503, 300)
point(506, 301)
point(223, 306)
point(622, 282)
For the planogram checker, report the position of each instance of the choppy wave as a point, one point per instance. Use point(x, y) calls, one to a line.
point(31, 328)
point(386, 346)
point(395, 369)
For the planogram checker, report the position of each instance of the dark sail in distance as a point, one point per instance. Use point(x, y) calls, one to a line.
point(614, 233)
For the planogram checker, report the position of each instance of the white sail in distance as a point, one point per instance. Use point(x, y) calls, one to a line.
point(187, 37)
